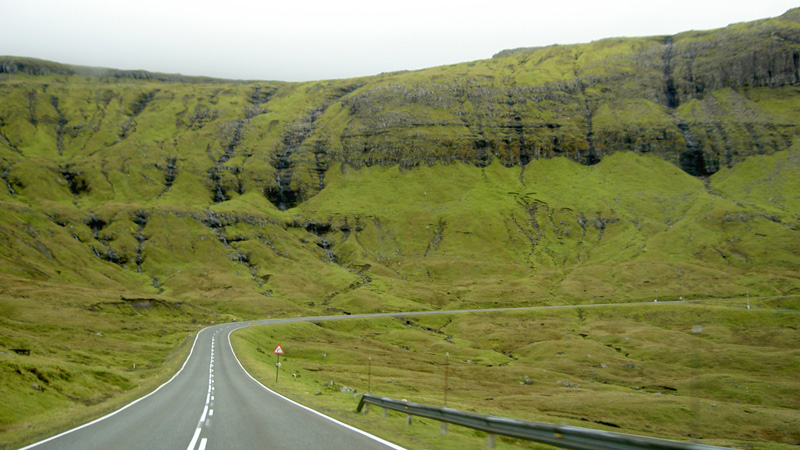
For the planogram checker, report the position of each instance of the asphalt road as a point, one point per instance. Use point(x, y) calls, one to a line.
point(212, 403)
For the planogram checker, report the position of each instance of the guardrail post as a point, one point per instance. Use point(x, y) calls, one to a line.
point(385, 412)
point(490, 441)
point(408, 420)
point(366, 408)
point(443, 431)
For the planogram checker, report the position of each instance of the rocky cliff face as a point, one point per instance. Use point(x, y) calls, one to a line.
point(701, 100)
point(694, 98)
point(453, 186)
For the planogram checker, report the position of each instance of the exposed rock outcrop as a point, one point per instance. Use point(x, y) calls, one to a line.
point(701, 100)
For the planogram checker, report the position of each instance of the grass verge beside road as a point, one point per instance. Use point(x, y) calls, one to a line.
point(81, 357)
point(720, 374)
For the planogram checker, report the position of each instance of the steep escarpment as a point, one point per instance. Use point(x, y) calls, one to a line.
point(556, 172)
point(702, 100)
point(696, 99)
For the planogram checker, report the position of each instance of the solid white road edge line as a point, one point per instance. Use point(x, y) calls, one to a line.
point(196, 337)
point(355, 316)
point(337, 422)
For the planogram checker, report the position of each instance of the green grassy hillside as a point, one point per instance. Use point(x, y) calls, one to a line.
point(135, 207)
point(386, 238)
point(632, 227)
point(703, 101)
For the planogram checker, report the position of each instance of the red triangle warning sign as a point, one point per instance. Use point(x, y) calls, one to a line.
point(278, 350)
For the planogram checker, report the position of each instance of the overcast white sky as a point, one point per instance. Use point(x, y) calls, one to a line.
point(299, 40)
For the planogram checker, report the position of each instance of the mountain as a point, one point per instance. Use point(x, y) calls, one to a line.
point(107, 161)
point(623, 169)
point(701, 100)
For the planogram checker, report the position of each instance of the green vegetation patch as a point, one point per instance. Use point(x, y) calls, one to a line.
point(69, 355)
point(721, 375)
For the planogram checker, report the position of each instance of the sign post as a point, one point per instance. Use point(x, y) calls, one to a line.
point(446, 363)
point(278, 351)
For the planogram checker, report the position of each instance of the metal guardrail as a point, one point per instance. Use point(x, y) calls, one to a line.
point(562, 436)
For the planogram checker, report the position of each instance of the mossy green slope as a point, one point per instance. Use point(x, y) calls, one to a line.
point(701, 100)
point(629, 227)
point(72, 353)
point(619, 170)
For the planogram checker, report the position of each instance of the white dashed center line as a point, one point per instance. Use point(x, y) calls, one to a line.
point(207, 411)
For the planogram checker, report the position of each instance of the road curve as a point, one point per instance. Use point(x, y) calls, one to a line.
point(213, 403)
